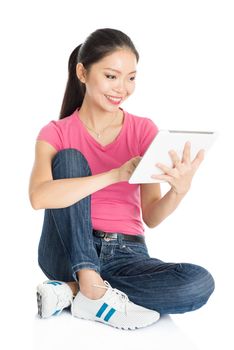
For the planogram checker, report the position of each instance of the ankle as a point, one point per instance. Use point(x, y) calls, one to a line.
point(93, 293)
point(87, 280)
point(74, 286)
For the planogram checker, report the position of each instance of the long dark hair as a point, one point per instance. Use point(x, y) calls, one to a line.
point(98, 44)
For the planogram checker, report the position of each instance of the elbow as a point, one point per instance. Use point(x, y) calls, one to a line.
point(34, 202)
point(150, 225)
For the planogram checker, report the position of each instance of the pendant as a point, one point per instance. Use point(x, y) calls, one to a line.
point(98, 136)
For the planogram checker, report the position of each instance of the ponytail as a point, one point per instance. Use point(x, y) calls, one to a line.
point(75, 90)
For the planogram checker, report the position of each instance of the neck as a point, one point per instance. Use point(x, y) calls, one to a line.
point(96, 118)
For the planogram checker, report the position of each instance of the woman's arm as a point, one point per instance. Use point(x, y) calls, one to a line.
point(158, 210)
point(179, 177)
point(62, 193)
point(45, 192)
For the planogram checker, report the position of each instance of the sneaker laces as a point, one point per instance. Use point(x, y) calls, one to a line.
point(117, 297)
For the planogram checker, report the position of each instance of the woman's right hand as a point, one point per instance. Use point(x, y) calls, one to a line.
point(125, 171)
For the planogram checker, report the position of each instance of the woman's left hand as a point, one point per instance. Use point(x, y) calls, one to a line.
point(181, 174)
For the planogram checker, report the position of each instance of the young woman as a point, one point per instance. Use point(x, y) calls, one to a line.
point(92, 247)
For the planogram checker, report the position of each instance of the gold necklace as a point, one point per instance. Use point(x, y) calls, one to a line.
point(99, 133)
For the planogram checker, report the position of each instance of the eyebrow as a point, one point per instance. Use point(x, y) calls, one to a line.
point(116, 70)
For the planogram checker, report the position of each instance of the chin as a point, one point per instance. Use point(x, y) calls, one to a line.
point(110, 108)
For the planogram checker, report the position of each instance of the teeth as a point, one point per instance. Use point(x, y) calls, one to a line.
point(113, 98)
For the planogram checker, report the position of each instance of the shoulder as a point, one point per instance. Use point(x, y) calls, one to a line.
point(54, 131)
point(142, 123)
point(60, 124)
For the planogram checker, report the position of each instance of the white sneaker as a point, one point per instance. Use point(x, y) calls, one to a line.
point(114, 309)
point(52, 298)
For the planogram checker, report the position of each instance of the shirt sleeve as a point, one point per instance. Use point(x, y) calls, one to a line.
point(51, 134)
point(149, 132)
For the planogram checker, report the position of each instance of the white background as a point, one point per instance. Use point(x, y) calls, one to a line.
point(185, 80)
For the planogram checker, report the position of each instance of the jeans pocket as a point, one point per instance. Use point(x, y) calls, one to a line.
point(134, 248)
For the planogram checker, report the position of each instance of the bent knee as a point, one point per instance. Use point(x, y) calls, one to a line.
point(69, 163)
point(68, 152)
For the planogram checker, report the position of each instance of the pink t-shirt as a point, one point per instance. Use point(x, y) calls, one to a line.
point(115, 208)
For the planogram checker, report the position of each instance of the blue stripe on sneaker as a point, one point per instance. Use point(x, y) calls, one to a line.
point(109, 314)
point(56, 312)
point(101, 310)
point(55, 283)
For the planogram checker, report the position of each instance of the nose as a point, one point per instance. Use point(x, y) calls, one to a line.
point(120, 86)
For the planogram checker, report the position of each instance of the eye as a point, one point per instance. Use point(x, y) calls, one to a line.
point(109, 76)
point(132, 78)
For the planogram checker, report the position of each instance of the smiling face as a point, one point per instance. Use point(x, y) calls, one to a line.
point(110, 81)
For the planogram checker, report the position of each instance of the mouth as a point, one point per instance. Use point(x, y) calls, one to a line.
point(114, 100)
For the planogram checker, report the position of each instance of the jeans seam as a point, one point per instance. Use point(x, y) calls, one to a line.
point(59, 234)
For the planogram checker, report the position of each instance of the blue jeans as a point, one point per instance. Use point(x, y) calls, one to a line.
point(67, 245)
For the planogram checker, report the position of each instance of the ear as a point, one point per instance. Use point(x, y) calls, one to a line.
point(81, 72)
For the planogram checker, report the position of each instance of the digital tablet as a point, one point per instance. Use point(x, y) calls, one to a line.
point(164, 141)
